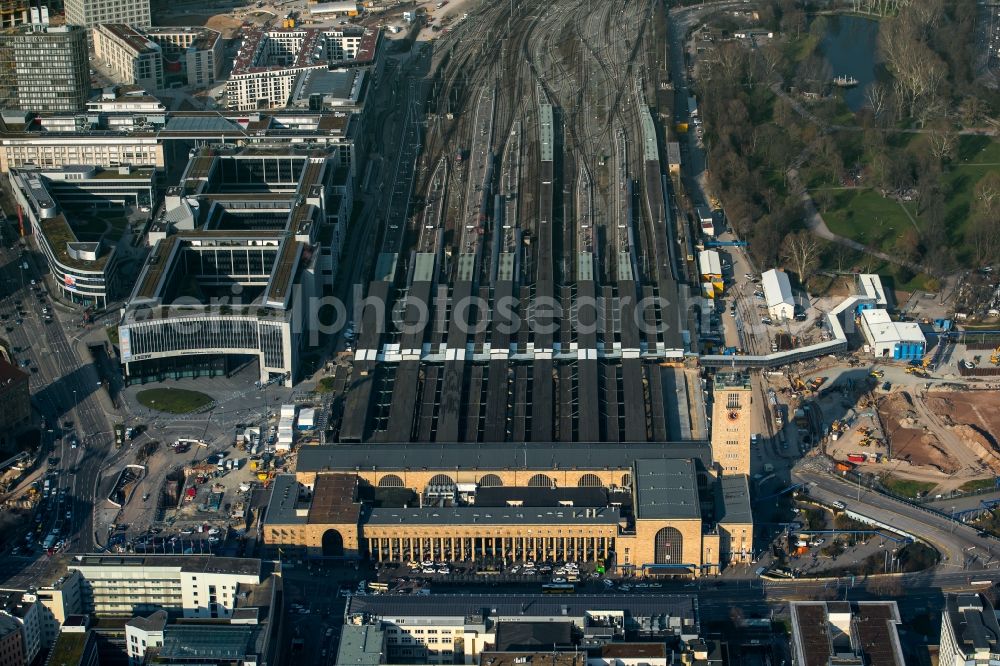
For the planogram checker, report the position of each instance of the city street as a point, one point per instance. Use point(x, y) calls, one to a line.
point(65, 388)
point(960, 545)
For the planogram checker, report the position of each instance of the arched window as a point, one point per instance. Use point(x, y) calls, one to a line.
point(441, 480)
point(490, 481)
point(540, 481)
point(390, 481)
point(589, 481)
point(669, 546)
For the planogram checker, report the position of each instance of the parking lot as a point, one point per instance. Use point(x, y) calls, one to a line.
point(418, 574)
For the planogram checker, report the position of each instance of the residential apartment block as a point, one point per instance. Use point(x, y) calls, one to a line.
point(270, 62)
point(129, 55)
point(197, 52)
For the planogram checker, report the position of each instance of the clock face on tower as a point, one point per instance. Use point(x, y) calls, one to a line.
point(734, 416)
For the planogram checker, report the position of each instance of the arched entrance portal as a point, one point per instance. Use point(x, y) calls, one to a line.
point(669, 545)
point(333, 544)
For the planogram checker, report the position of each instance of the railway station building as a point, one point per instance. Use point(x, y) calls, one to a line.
point(654, 508)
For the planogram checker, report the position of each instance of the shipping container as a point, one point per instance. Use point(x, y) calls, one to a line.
point(857, 457)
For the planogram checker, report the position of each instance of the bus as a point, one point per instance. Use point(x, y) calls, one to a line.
point(378, 587)
point(558, 588)
point(980, 582)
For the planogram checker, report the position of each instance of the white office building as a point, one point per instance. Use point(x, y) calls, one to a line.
point(970, 634)
point(26, 612)
point(194, 586)
point(778, 294)
point(142, 633)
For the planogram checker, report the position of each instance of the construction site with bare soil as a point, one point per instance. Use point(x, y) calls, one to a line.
point(925, 442)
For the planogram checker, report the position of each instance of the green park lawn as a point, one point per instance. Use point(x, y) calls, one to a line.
point(173, 400)
point(862, 214)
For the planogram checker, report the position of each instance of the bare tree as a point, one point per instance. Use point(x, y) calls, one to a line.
point(972, 111)
point(918, 72)
point(771, 60)
point(730, 59)
point(842, 255)
point(877, 96)
point(942, 142)
point(926, 12)
point(987, 195)
point(802, 251)
point(984, 239)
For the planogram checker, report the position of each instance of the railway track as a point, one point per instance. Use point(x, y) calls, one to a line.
point(553, 48)
point(433, 215)
point(510, 182)
point(478, 172)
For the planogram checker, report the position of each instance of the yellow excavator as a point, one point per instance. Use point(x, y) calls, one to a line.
point(995, 358)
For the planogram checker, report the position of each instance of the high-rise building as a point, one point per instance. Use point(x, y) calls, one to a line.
point(44, 68)
point(88, 13)
point(731, 400)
